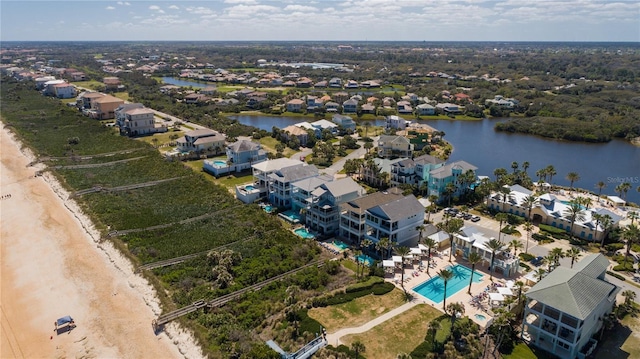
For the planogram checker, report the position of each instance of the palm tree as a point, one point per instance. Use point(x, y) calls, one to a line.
point(494, 246)
point(606, 221)
point(449, 190)
point(454, 309)
point(402, 252)
point(366, 243)
point(382, 245)
point(574, 213)
point(528, 226)
point(550, 260)
point(514, 166)
point(539, 274)
point(504, 192)
point(429, 243)
point(357, 347)
point(474, 258)
point(574, 253)
point(541, 174)
point(557, 254)
point(403, 356)
point(633, 215)
point(515, 245)
point(525, 166)
point(625, 188)
point(631, 234)
point(572, 177)
point(629, 296)
point(529, 203)
point(502, 321)
point(357, 255)
point(550, 171)
point(445, 274)
point(452, 227)
point(420, 228)
point(598, 218)
point(600, 185)
point(501, 217)
point(499, 173)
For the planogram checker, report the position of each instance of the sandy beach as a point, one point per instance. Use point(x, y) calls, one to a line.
point(52, 266)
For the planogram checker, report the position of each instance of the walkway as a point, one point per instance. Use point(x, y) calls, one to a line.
point(334, 338)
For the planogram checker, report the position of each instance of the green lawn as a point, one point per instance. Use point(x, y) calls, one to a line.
point(400, 334)
point(521, 351)
point(269, 145)
point(162, 138)
point(356, 312)
point(91, 84)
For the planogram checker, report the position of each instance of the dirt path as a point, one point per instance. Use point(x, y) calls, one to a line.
point(51, 267)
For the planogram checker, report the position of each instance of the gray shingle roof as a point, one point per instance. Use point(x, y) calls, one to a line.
point(571, 291)
point(447, 170)
point(398, 209)
point(243, 145)
point(294, 173)
point(343, 186)
point(361, 204)
point(425, 159)
point(592, 265)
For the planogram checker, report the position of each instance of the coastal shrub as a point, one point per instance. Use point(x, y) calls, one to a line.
point(624, 267)
point(364, 285)
point(344, 297)
point(542, 238)
point(510, 230)
point(308, 324)
point(383, 288)
point(514, 220)
point(551, 230)
point(612, 247)
point(429, 345)
point(525, 266)
point(616, 275)
point(526, 257)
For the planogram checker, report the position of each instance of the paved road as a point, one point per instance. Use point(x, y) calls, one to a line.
point(334, 338)
point(359, 153)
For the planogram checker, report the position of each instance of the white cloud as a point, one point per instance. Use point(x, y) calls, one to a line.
point(301, 8)
point(154, 7)
point(125, 3)
point(242, 11)
point(174, 7)
point(247, 2)
point(110, 8)
point(200, 10)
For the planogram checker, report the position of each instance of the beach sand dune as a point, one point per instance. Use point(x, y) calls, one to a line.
point(53, 266)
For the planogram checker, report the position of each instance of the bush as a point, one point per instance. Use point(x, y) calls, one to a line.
point(616, 275)
point(551, 229)
point(525, 266)
point(364, 285)
point(308, 324)
point(626, 267)
point(344, 297)
point(510, 230)
point(514, 220)
point(526, 257)
point(612, 247)
point(542, 238)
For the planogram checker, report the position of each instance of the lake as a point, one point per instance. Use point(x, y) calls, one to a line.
point(185, 83)
point(476, 142)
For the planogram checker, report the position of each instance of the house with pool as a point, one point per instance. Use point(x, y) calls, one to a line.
point(471, 239)
point(353, 213)
point(552, 211)
point(201, 140)
point(414, 171)
point(318, 201)
point(566, 309)
point(397, 220)
point(241, 155)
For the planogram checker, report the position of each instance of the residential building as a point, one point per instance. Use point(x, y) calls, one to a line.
point(418, 137)
point(195, 98)
point(104, 107)
point(201, 140)
point(378, 174)
point(48, 88)
point(241, 155)
point(440, 177)
point(111, 83)
point(335, 82)
point(396, 220)
point(259, 188)
point(322, 125)
point(396, 122)
point(295, 105)
point(425, 109)
point(298, 132)
point(566, 309)
point(368, 108)
point(331, 106)
point(321, 209)
point(471, 239)
point(353, 213)
point(84, 101)
point(551, 211)
point(448, 108)
point(65, 90)
point(414, 171)
point(134, 120)
point(350, 106)
point(394, 146)
point(502, 102)
point(345, 122)
point(404, 107)
point(424, 165)
point(278, 181)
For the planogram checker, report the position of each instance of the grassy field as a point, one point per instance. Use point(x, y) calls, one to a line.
point(91, 84)
point(163, 138)
point(121, 95)
point(400, 334)
point(269, 144)
point(358, 311)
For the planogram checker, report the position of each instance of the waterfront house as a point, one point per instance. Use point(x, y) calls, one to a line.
point(104, 107)
point(353, 213)
point(350, 106)
point(414, 171)
point(251, 192)
point(425, 109)
point(273, 179)
point(394, 146)
point(345, 122)
point(134, 119)
point(85, 99)
point(471, 239)
point(396, 122)
point(241, 155)
point(396, 220)
point(565, 310)
point(368, 108)
point(448, 108)
point(64, 90)
point(331, 106)
point(201, 140)
point(298, 132)
point(319, 201)
point(195, 98)
point(322, 125)
point(295, 105)
point(404, 107)
point(441, 176)
point(375, 175)
point(48, 88)
point(335, 82)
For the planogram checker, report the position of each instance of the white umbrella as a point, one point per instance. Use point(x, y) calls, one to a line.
point(496, 297)
point(397, 259)
point(510, 284)
point(505, 291)
point(387, 263)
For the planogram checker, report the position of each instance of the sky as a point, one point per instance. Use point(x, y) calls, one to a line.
point(321, 20)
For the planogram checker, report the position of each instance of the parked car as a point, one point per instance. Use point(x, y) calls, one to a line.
point(537, 261)
point(467, 216)
point(475, 218)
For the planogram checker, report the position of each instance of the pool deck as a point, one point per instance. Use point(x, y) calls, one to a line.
point(441, 262)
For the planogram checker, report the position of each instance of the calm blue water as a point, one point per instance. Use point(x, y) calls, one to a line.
point(220, 163)
point(301, 232)
point(433, 289)
point(340, 244)
point(185, 83)
point(365, 258)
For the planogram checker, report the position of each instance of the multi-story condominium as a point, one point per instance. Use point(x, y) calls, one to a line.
point(353, 213)
point(396, 220)
point(554, 212)
point(134, 119)
point(394, 146)
point(396, 122)
point(201, 140)
point(64, 90)
point(471, 240)
point(279, 182)
point(565, 309)
point(321, 207)
point(104, 108)
point(440, 177)
point(414, 171)
point(241, 155)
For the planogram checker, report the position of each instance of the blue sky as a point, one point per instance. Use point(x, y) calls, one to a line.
point(340, 20)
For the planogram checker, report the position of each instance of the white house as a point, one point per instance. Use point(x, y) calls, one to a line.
point(396, 220)
point(201, 140)
point(345, 122)
point(396, 122)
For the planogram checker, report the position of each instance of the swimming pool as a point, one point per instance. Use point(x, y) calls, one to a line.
point(249, 188)
point(365, 258)
point(340, 244)
point(302, 232)
point(568, 203)
point(291, 216)
point(433, 289)
point(480, 317)
point(219, 163)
